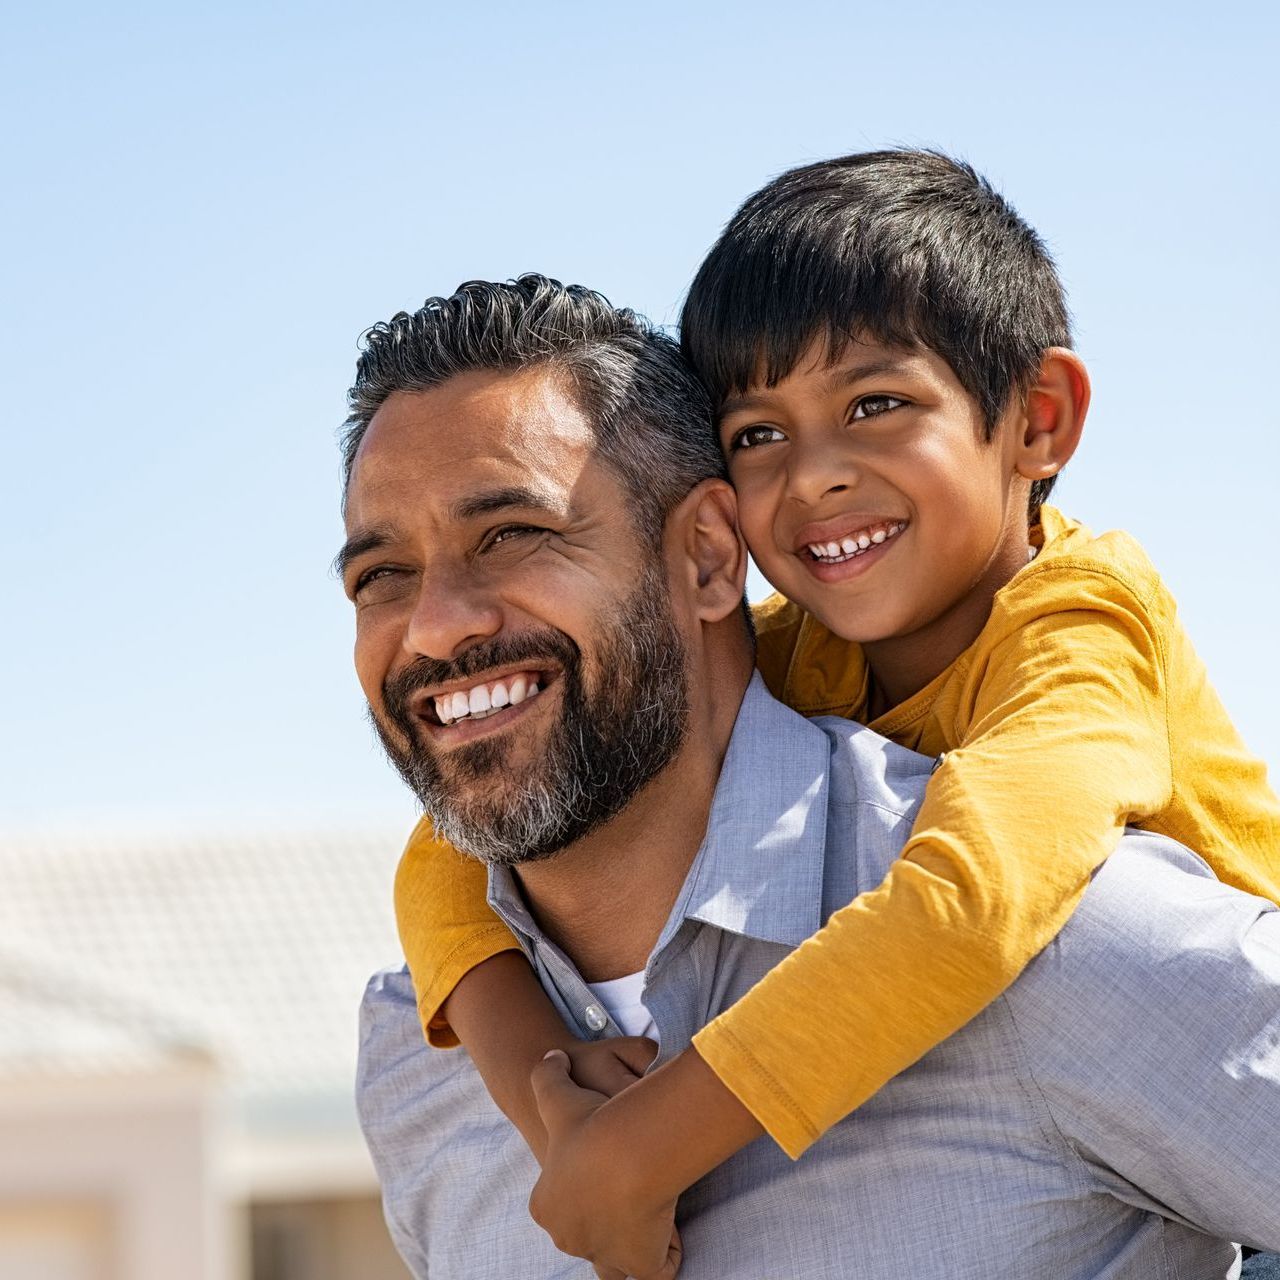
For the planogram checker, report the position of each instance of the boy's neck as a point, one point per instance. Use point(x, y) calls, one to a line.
point(900, 666)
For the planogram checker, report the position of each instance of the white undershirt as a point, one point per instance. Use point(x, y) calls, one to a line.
point(621, 999)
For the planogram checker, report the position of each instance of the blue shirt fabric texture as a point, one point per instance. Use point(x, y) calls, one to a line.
point(1114, 1114)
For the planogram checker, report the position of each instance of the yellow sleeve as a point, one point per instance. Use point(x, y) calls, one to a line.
point(445, 922)
point(777, 624)
point(1065, 738)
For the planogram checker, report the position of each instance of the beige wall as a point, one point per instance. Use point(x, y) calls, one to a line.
point(126, 1179)
point(111, 1179)
point(55, 1241)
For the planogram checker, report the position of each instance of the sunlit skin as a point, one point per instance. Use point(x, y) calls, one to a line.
point(885, 440)
point(460, 528)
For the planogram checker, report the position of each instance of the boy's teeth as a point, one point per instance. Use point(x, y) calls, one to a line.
point(498, 695)
point(478, 699)
point(518, 688)
point(853, 546)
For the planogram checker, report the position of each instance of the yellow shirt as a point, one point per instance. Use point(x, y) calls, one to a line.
point(1080, 708)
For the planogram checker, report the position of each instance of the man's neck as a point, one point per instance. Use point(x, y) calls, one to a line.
point(605, 899)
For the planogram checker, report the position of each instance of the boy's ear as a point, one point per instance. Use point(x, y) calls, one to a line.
point(707, 550)
point(1053, 418)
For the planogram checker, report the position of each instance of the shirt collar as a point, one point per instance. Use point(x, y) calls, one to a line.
point(759, 870)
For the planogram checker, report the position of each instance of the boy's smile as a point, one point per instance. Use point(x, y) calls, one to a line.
point(842, 548)
point(869, 495)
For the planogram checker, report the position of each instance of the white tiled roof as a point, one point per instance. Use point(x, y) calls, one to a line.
point(55, 1022)
point(255, 949)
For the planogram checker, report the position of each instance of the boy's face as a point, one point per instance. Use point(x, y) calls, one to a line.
point(869, 495)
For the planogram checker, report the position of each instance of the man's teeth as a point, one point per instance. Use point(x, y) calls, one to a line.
point(484, 699)
point(855, 544)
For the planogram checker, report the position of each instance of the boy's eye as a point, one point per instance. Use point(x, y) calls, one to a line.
point(756, 434)
point(873, 406)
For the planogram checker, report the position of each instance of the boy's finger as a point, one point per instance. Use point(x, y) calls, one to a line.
point(559, 1099)
point(636, 1052)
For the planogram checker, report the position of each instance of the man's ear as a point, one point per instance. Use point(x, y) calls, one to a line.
point(707, 550)
point(1053, 417)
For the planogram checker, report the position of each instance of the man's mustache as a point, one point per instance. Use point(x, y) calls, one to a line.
point(423, 673)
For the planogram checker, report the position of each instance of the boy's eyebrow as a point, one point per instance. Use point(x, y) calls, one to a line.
point(842, 376)
point(847, 374)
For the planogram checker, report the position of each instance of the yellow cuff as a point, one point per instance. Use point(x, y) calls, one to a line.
point(476, 948)
point(759, 1091)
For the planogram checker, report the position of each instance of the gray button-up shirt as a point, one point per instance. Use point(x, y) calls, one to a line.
point(1115, 1114)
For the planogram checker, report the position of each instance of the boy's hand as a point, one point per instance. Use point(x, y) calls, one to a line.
point(584, 1199)
point(611, 1065)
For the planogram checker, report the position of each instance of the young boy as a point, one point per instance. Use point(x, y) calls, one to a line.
point(889, 348)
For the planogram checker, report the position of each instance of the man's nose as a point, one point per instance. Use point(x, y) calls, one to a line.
point(452, 612)
point(819, 465)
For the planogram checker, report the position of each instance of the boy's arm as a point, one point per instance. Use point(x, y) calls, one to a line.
point(1066, 742)
point(612, 1170)
point(474, 985)
point(1066, 739)
point(446, 925)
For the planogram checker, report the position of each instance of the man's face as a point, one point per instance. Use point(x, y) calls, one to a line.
point(513, 632)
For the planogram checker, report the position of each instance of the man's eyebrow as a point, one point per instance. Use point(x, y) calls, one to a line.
point(842, 376)
point(493, 500)
point(360, 543)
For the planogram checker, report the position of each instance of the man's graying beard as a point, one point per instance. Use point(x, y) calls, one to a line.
point(607, 743)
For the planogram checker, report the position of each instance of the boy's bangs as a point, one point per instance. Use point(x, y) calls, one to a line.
point(752, 326)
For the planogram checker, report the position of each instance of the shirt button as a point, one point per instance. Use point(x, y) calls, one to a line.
point(595, 1017)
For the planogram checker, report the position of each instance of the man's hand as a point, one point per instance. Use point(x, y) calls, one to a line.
point(585, 1200)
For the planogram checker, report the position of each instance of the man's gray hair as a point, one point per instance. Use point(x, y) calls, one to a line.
point(651, 415)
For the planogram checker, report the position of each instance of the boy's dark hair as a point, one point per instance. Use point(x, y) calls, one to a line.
point(908, 247)
point(650, 413)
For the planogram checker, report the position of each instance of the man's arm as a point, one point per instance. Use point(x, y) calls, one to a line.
point(1153, 1030)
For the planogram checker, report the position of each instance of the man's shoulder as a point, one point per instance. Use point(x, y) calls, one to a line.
point(1155, 934)
point(869, 769)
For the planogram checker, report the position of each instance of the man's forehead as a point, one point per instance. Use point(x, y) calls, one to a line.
point(475, 432)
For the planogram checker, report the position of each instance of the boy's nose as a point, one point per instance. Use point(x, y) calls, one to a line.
point(817, 469)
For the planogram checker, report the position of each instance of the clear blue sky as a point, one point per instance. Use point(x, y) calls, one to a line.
point(202, 211)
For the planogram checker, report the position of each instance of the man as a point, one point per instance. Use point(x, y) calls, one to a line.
point(530, 499)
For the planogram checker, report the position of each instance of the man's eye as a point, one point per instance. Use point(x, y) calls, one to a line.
point(752, 436)
point(508, 533)
point(378, 584)
point(874, 406)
